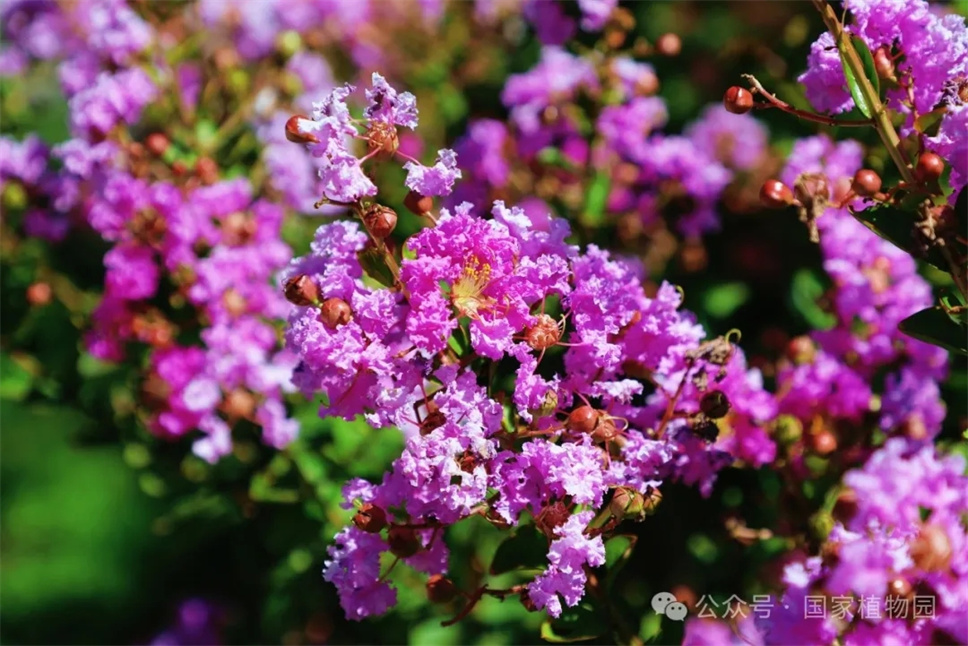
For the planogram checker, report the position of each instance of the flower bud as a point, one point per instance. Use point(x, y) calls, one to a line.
point(157, 143)
point(543, 334)
point(295, 134)
point(583, 419)
point(440, 589)
point(234, 302)
point(866, 183)
point(335, 312)
point(380, 221)
point(605, 430)
point(206, 170)
point(801, 350)
point(775, 194)
point(788, 430)
point(929, 168)
point(883, 64)
point(652, 499)
point(823, 442)
point(714, 404)
point(370, 518)
point(738, 100)
point(403, 541)
point(39, 294)
point(417, 203)
point(931, 550)
point(627, 503)
point(899, 587)
point(301, 290)
point(668, 45)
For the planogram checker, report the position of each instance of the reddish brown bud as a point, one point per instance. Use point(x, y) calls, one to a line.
point(335, 312)
point(370, 518)
point(296, 135)
point(899, 587)
point(417, 203)
point(775, 194)
point(302, 291)
point(178, 168)
point(380, 221)
point(583, 419)
point(207, 170)
point(668, 45)
point(526, 601)
point(652, 499)
point(738, 100)
point(440, 589)
point(883, 64)
point(823, 442)
point(714, 404)
point(866, 183)
point(929, 168)
point(157, 143)
point(39, 293)
point(403, 541)
point(801, 349)
point(931, 550)
point(543, 334)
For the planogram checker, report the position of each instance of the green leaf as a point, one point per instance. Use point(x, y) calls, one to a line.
point(526, 549)
point(720, 301)
point(595, 200)
point(618, 551)
point(15, 380)
point(805, 291)
point(853, 83)
point(375, 265)
point(935, 326)
point(929, 122)
point(584, 621)
point(897, 227)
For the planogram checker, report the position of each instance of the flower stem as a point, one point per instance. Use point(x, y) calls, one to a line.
point(882, 122)
point(803, 114)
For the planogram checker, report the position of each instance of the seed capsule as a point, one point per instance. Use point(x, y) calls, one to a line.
point(301, 290)
point(738, 100)
point(335, 312)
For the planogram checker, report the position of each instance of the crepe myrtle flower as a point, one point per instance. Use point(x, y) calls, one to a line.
point(327, 136)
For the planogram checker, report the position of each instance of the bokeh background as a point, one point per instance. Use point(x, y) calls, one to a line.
point(106, 533)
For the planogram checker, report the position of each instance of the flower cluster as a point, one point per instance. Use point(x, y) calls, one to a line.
point(649, 179)
point(920, 55)
point(613, 390)
point(875, 286)
point(900, 537)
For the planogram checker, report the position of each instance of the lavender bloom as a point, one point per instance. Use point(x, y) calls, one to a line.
point(436, 180)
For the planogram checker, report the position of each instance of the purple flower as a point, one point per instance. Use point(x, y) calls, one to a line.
point(436, 180)
point(132, 273)
point(354, 568)
point(736, 140)
point(595, 13)
point(567, 557)
point(952, 144)
point(389, 107)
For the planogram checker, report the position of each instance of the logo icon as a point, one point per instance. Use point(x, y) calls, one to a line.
point(665, 603)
